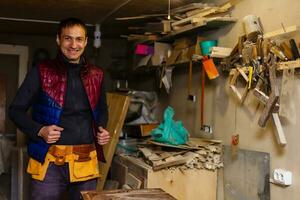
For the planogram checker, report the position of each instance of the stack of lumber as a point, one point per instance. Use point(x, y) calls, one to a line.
point(183, 18)
point(205, 156)
point(199, 14)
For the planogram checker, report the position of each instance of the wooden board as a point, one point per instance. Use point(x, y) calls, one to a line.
point(283, 33)
point(280, 136)
point(269, 108)
point(234, 74)
point(287, 106)
point(147, 128)
point(173, 146)
point(288, 64)
point(187, 184)
point(263, 98)
point(143, 194)
point(247, 175)
point(2, 103)
point(117, 109)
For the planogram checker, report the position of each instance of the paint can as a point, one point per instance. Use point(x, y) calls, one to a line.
point(252, 26)
point(206, 46)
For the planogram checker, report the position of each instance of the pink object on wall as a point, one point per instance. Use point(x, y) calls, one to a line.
point(142, 49)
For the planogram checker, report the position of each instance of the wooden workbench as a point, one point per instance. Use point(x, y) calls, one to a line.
point(183, 185)
point(143, 194)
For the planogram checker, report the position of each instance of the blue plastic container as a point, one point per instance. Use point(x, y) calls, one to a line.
point(207, 45)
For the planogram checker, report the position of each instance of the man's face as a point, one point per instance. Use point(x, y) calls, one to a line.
point(72, 42)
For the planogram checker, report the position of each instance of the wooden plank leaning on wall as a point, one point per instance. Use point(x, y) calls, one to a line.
point(2, 103)
point(117, 110)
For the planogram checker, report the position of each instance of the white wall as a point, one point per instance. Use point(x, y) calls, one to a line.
point(223, 112)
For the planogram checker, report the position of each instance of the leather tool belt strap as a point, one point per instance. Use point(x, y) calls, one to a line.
point(61, 151)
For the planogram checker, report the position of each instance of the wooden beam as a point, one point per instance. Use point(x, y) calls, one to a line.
point(280, 136)
point(268, 110)
point(2, 104)
point(263, 98)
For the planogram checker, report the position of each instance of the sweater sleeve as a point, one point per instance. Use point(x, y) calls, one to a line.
point(103, 107)
point(26, 95)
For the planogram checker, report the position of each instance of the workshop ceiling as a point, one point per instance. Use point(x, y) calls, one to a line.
point(91, 11)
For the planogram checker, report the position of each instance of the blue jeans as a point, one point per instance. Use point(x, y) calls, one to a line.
point(57, 183)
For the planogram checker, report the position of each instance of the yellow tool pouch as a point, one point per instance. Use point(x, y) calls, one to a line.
point(38, 170)
point(80, 168)
point(84, 170)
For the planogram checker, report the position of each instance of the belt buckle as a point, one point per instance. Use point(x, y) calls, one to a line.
point(60, 160)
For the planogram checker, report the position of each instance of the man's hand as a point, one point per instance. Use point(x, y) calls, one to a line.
point(102, 136)
point(50, 134)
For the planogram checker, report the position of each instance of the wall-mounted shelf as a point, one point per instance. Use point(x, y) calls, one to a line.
point(194, 29)
point(197, 28)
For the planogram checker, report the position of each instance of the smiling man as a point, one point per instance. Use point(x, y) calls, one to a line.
point(69, 114)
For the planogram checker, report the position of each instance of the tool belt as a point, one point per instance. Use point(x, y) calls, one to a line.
point(61, 151)
point(81, 159)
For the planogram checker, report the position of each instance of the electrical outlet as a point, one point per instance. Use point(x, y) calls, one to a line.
point(207, 129)
point(282, 177)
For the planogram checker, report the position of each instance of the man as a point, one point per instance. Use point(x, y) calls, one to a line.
point(69, 114)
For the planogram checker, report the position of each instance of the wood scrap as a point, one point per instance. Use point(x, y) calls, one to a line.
point(159, 27)
point(147, 128)
point(283, 33)
point(206, 152)
point(263, 98)
point(288, 65)
point(213, 22)
point(268, 110)
point(141, 17)
point(188, 7)
point(170, 161)
point(234, 74)
point(280, 136)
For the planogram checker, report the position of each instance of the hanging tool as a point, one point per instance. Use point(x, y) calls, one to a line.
point(294, 49)
point(209, 67)
point(241, 41)
point(205, 128)
point(265, 51)
point(190, 97)
point(259, 47)
point(277, 52)
point(287, 50)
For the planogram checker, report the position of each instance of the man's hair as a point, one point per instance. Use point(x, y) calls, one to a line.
point(69, 22)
